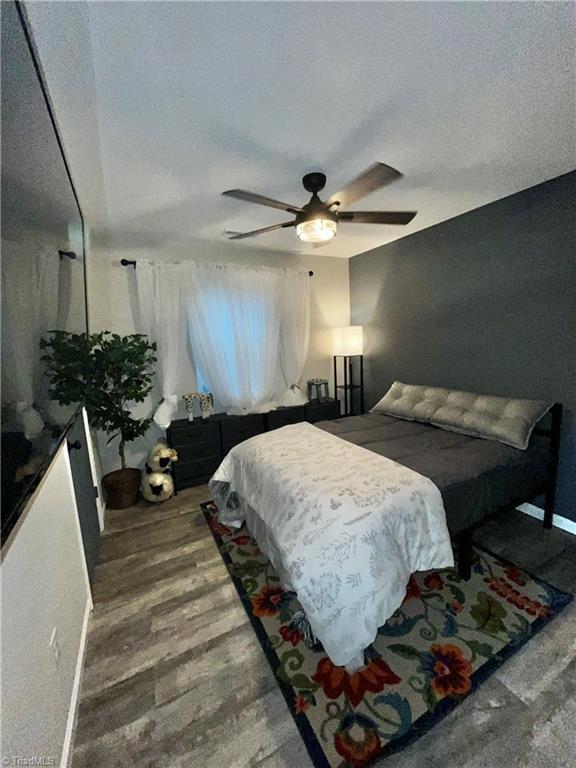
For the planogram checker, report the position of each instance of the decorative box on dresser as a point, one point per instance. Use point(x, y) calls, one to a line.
point(202, 444)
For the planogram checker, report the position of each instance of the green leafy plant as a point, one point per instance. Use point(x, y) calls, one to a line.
point(104, 372)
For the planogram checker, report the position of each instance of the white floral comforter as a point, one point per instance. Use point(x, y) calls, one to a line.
point(343, 527)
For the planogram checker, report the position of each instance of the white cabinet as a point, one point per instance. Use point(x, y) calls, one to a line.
point(46, 604)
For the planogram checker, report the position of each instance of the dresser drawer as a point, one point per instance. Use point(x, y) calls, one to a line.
point(323, 411)
point(194, 451)
point(284, 416)
point(236, 430)
point(185, 433)
point(193, 470)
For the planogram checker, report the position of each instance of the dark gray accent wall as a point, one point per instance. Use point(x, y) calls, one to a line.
point(483, 302)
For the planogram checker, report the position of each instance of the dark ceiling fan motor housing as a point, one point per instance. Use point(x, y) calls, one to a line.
point(314, 208)
point(314, 182)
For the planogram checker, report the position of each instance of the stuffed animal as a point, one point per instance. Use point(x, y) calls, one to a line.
point(160, 458)
point(157, 484)
point(206, 400)
point(189, 404)
point(206, 404)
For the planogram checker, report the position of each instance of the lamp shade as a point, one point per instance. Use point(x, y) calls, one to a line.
point(347, 341)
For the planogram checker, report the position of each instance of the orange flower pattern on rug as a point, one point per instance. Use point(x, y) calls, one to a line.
point(357, 740)
point(301, 704)
point(433, 581)
point(515, 598)
point(412, 589)
point(451, 670)
point(335, 681)
point(269, 601)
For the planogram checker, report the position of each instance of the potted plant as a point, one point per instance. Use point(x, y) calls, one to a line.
point(105, 372)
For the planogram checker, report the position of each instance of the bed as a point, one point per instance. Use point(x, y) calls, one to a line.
point(475, 476)
point(381, 496)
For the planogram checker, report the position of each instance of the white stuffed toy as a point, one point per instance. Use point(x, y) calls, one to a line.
point(157, 484)
point(160, 458)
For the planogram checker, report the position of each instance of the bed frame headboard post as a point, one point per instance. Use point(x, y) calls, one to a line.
point(553, 453)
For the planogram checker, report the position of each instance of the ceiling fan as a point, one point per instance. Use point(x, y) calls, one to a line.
point(317, 221)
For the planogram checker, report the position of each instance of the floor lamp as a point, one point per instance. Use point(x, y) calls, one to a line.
point(347, 344)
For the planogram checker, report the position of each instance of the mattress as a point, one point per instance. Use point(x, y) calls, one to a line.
point(475, 476)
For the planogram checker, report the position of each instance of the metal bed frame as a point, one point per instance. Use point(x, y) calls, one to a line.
point(465, 538)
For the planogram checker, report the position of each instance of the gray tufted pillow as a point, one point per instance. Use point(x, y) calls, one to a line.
point(493, 418)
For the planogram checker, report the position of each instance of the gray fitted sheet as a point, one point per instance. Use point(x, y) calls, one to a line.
point(475, 476)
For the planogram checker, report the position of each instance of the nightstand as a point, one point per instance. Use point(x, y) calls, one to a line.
point(236, 429)
point(199, 451)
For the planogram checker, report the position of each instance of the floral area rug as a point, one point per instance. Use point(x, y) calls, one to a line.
point(447, 637)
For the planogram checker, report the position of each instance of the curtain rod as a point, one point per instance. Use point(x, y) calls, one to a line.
point(128, 263)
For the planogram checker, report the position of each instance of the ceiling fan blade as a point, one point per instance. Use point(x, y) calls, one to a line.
point(378, 175)
point(377, 217)
point(242, 235)
point(251, 197)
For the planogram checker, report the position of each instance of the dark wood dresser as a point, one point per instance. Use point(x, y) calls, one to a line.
point(202, 445)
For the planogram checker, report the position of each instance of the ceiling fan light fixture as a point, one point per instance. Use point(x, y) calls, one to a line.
point(316, 230)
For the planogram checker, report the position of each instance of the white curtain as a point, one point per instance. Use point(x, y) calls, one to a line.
point(30, 279)
point(162, 291)
point(246, 328)
point(295, 332)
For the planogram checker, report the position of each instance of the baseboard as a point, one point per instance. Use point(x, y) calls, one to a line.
point(67, 749)
point(557, 520)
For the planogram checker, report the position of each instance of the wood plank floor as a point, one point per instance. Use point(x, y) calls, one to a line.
point(175, 676)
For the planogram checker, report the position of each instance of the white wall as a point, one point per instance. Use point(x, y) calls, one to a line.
point(113, 305)
point(44, 587)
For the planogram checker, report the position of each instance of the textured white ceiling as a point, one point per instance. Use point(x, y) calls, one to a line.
point(165, 105)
